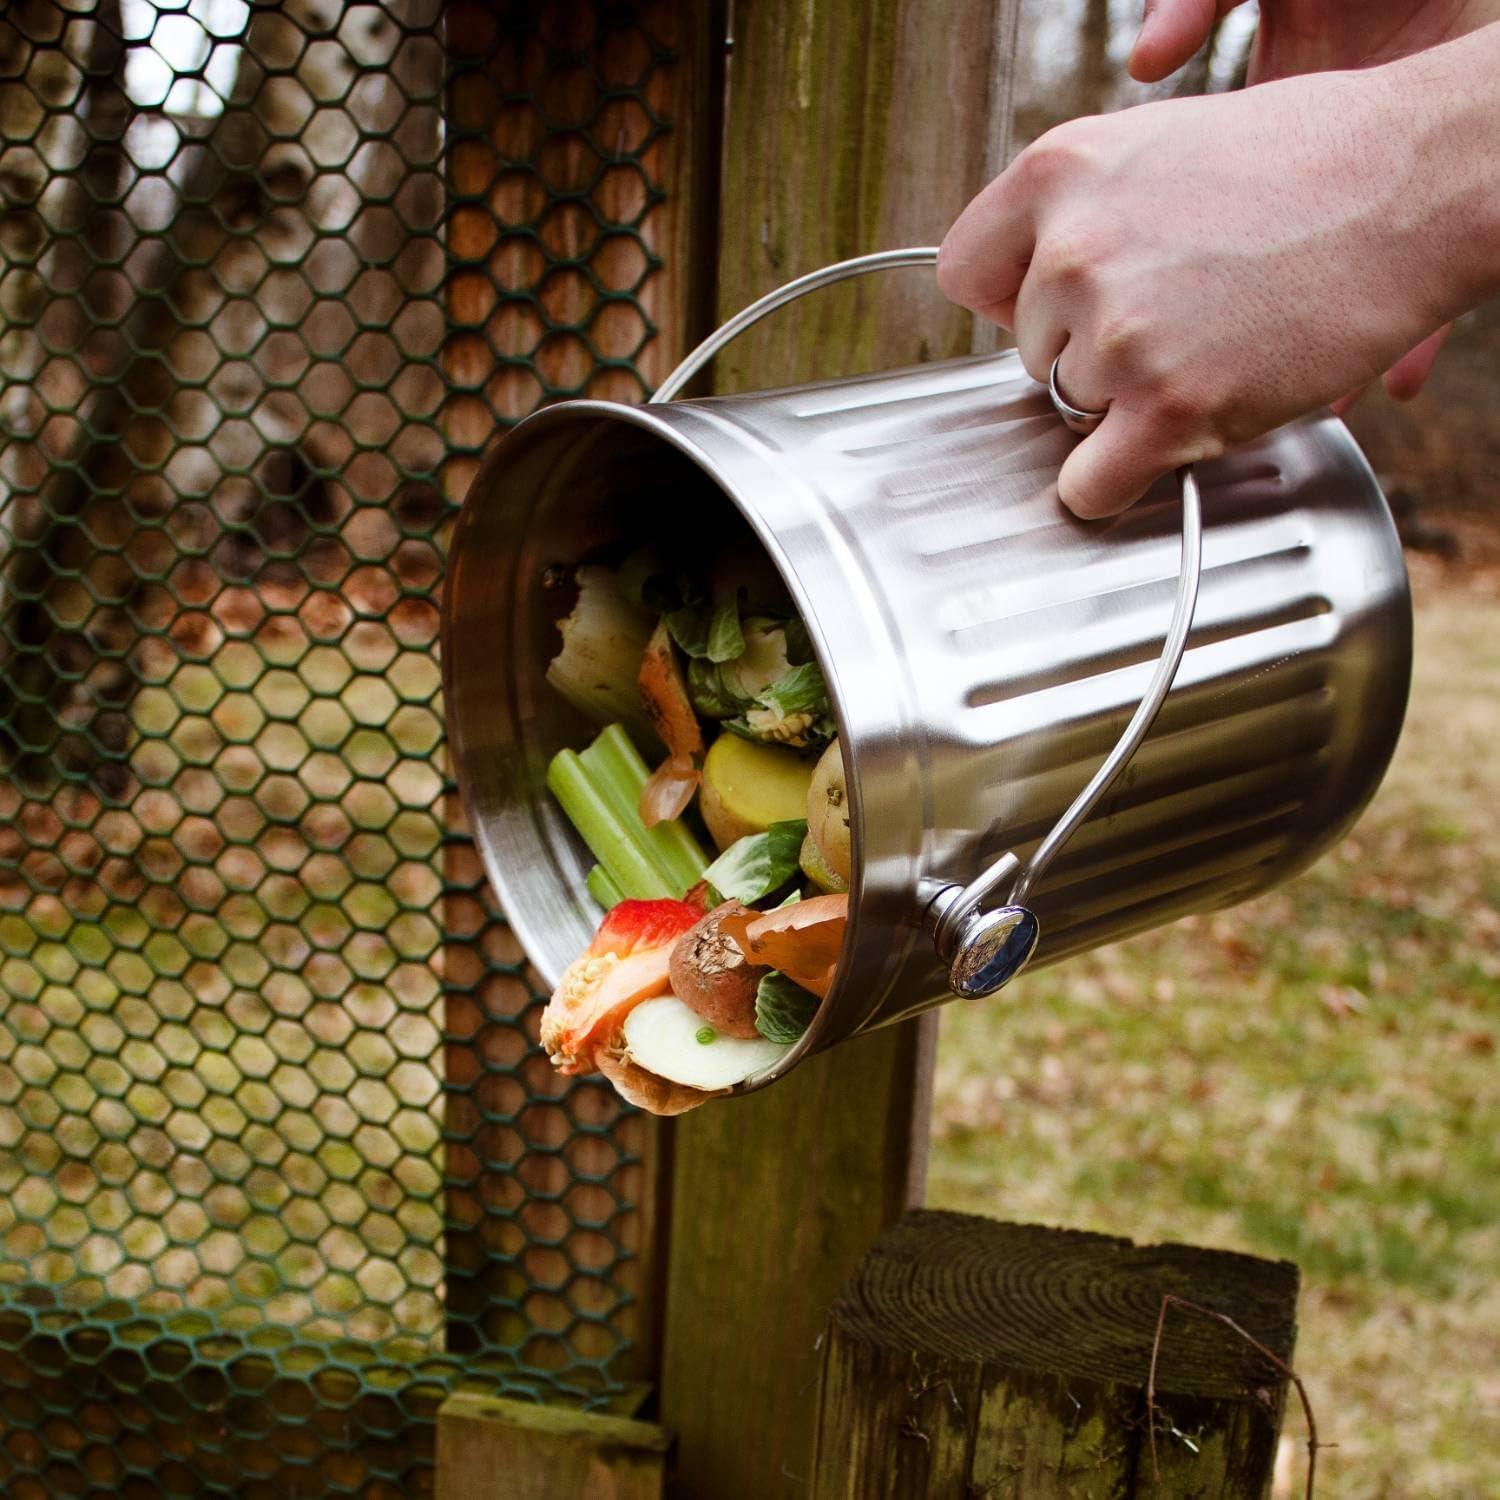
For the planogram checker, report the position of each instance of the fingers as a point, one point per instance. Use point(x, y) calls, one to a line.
point(1409, 374)
point(1406, 377)
point(983, 258)
point(1040, 332)
point(1113, 467)
point(1172, 31)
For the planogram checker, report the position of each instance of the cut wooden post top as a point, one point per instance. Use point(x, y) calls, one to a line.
point(967, 1357)
point(1067, 1302)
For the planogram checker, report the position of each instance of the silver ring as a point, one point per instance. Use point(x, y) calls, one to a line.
point(1073, 417)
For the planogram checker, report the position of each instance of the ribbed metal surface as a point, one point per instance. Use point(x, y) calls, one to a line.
point(984, 647)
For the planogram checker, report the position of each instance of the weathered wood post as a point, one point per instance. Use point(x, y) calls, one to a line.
point(848, 128)
point(967, 1357)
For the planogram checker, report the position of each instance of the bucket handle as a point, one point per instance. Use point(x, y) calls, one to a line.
point(985, 950)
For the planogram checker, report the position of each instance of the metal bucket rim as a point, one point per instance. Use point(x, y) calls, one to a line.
point(537, 426)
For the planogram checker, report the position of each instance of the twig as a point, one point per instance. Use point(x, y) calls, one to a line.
point(1168, 1299)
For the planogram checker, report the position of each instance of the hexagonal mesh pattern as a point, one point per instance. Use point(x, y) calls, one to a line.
point(280, 1159)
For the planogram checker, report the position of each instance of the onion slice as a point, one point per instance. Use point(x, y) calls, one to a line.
point(669, 790)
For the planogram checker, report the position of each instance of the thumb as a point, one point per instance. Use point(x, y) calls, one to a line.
point(1171, 32)
point(1113, 467)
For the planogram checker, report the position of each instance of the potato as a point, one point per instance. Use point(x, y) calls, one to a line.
point(713, 978)
point(815, 867)
point(828, 813)
point(747, 787)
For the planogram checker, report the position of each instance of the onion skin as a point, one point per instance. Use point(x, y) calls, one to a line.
point(802, 940)
point(669, 790)
point(645, 1090)
point(665, 697)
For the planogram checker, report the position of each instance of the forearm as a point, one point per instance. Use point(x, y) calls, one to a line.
point(1442, 109)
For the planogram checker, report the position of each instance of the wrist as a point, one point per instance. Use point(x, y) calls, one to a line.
point(1442, 108)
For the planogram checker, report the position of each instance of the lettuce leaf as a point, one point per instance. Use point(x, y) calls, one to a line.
point(754, 866)
point(725, 638)
point(689, 627)
point(706, 688)
point(783, 1009)
point(802, 690)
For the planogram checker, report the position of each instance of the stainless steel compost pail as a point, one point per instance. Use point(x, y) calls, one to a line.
point(984, 652)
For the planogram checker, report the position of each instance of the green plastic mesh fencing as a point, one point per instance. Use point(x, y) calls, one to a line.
point(280, 1160)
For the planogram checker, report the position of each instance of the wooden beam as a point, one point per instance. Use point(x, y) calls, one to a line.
point(969, 1357)
point(848, 128)
point(491, 1449)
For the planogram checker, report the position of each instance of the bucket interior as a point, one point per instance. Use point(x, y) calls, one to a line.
point(585, 486)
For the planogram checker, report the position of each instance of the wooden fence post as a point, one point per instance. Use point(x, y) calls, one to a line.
point(848, 128)
point(967, 1357)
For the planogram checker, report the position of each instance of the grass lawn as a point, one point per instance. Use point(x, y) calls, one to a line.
point(1311, 1076)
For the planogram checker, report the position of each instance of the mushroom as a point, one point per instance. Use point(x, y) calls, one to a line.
point(713, 978)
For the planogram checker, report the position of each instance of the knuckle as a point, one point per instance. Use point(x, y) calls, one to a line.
point(1124, 340)
point(1062, 151)
point(1071, 257)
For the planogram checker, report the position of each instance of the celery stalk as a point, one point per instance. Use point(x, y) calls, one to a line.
point(603, 888)
point(618, 772)
point(614, 841)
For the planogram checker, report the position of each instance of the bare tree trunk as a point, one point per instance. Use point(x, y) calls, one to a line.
point(1094, 71)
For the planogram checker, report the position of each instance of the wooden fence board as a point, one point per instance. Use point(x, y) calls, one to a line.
point(848, 128)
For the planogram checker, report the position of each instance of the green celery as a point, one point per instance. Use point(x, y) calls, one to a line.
point(603, 889)
point(614, 841)
point(618, 772)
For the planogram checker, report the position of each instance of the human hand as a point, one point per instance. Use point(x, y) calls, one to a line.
point(1213, 266)
point(1313, 36)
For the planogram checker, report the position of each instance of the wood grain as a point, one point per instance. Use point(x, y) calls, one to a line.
point(971, 1357)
